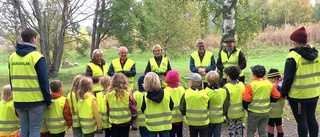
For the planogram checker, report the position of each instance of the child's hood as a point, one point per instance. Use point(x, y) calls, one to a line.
point(156, 95)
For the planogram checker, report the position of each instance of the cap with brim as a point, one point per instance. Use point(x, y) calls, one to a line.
point(230, 39)
point(195, 77)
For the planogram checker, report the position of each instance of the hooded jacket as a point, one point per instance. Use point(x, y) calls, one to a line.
point(42, 73)
point(156, 96)
point(290, 71)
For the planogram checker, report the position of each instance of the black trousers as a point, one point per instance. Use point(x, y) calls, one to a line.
point(196, 130)
point(176, 130)
point(306, 121)
point(120, 131)
point(58, 135)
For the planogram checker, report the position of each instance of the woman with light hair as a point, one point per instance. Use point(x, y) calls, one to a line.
point(156, 103)
point(96, 68)
point(158, 64)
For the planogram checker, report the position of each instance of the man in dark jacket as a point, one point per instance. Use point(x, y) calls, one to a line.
point(230, 56)
point(29, 83)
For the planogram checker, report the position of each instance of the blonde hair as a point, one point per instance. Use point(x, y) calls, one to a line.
point(119, 83)
point(75, 83)
point(105, 82)
point(157, 46)
point(212, 77)
point(96, 52)
point(85, 85)
point(151, 82)
point(6, 93)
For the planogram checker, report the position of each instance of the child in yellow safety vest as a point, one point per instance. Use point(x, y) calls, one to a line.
point(217, 97)
point(138, 97)
point(157, 106)
point(121, 107)
point(194, 105)
point(233, 108)
point(73, 100)
point(176, 91)
point(58, 117)
point(102, 99)
point(88, 109)
point(256, 99)
point(9, 126)
point(276, 111)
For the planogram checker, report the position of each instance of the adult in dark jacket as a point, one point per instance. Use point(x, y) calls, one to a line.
point(301, 83)
point(30, 84)
point(230, 56)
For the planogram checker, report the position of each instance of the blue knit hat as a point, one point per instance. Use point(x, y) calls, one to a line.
point(140, 83)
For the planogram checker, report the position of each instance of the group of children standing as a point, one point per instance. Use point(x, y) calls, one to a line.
point(160, 111)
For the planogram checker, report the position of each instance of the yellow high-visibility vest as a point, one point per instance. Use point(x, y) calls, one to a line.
point(277, 109)
point(235, 109)
point(197, 114)
point(25, 84)
point(233, 60)
point(158, 115)
point(160, 69)
point(138, 97)
point(205, 63)
point(54, 118)
point(9, 124)
point(96, 72)
point(306, 83)
point(176, 94)
point(102, 99)
point(261, 91)
point(216, 100)
point(87, 120)
point(74, 109)
point(119, 108)
point(126, 67)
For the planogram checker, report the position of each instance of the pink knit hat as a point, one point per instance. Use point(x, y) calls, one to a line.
point(299, 35)
point(172, 79)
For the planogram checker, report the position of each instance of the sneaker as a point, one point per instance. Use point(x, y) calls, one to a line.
point(134, 126)
point(99, 131)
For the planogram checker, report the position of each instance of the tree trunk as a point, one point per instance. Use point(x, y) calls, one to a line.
point(58, 48)
point(229, 20)
point(44, 40)
point(101, 19)
point(20, 14)
point(94, 28)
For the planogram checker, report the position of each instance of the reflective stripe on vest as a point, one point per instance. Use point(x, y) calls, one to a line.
point(102, 99)
point(119, 108)
point(73, 109)
point(261, 91)
point(126, 67)
point(54, 118)
point(87, 121)
point(235, 109)
point(176, 94)
point(197, 114)
point(160, 69)
point(158, 115)
point(216, 99)
point(306, 83)
point(138, 97)
point(233, 60)
point(9, 122)
point(205, 63)
point(277, 109)
point(25, 84)
point(97, 71)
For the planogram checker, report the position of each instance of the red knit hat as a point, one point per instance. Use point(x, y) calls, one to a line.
point(172, 79)
point(299, 35)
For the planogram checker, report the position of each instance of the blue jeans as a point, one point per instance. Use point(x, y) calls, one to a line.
point(214, 129)
point(143, 132)
point(165, 133)
point(31, 121)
